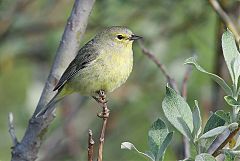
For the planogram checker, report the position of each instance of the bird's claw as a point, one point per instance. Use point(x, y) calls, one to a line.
point(101, 94)
point(100, 100)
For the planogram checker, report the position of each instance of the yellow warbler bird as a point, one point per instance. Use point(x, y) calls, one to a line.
point(103, 64)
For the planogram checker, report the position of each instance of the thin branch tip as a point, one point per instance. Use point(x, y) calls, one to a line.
point(90, 145)
point(225, 18)
point(12, 129)
point(185, 81)
point(90, 134)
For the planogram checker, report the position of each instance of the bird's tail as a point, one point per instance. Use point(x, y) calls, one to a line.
point(49, 108)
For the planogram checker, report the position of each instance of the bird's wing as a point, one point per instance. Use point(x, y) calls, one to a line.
point(85, 56)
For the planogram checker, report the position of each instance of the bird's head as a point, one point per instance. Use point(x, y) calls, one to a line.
point(118, 36)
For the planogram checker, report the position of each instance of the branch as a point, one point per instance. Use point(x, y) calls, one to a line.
point(29, 146)
point(185, 80)
point(90, 145)
point(152, 57)
point(104, 115)
point(225, 18)
point(12, 130)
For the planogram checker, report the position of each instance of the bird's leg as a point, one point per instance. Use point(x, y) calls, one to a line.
point(101, 99)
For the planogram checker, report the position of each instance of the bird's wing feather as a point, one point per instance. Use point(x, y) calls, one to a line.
point(85, 56)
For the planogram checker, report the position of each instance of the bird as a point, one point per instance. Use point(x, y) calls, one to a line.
point(101, 65)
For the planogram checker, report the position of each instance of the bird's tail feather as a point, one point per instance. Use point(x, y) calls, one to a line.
point(50, 106)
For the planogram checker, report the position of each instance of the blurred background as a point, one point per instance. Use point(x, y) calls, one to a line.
point(30, 32)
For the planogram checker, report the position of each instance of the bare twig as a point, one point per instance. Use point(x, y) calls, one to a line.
point(104, 115)
point(152, 57)
point(12, 130)
point(185, 80)
point(29, 146)
point(225, 18)
point(90, 145)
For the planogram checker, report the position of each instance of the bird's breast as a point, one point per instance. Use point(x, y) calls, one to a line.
point(117, 67)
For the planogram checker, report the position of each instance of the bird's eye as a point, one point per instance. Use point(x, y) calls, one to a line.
point(120, 37)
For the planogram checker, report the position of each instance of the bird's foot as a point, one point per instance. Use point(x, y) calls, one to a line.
point(101, 98)
point(101, 94)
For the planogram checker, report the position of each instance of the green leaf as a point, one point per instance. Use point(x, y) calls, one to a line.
point(204, 157)
point(233, 126)
point(225, 116)
point(213, 122)
point(214, 132)
point(206, 143)
point(197, 121)
point(177, 112)
point(130, 146)
point(230, 52)
point(231, 101)
point(216, 78)
point(164, 146)
point(236, 69)
point(159, 138)
point(229, 156)
point(186, 128)
point(218, 130)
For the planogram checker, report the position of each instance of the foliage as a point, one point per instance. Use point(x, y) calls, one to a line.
point(220, 128)
point(158, 140)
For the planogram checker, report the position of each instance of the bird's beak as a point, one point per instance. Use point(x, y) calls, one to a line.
point(135, 37)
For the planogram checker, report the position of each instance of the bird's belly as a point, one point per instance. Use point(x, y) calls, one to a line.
point(103, 74)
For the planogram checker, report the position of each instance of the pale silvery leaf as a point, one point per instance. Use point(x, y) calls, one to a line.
point(230, 51)
point(213, 122)
point(156, 136)
point(236, 69)
point(204, 157)
point(130, 146)
point(214, 132)
point(229, 156)
point(231, 101)
point(164, 146)
point(197, 121)
point(177, 112)
point(216, 78)
point(159, 139)
point(225, 116)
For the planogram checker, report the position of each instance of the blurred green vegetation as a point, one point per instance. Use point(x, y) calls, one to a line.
point(173, 30)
